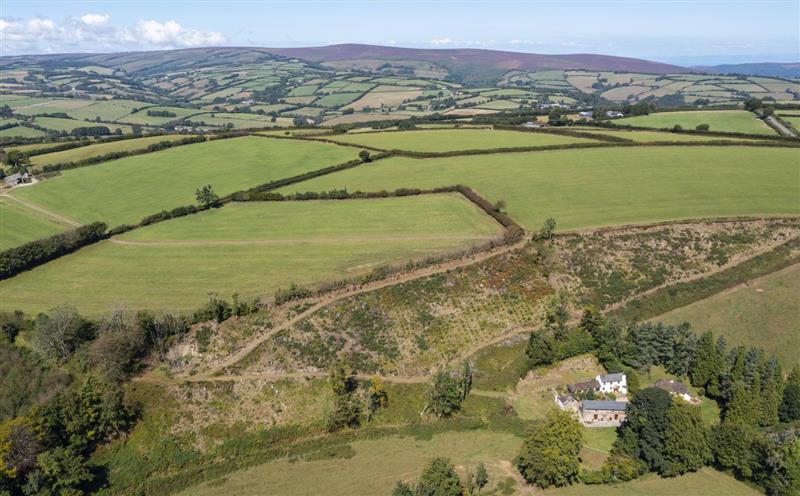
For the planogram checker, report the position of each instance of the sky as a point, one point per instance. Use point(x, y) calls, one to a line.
point(676, 31)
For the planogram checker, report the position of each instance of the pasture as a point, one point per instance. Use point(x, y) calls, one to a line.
point(732, 121)
point(762, 312)
point(19, 225)
point(374, 469)
point(69, 125)
point(96, 150)
point(603, 186)
point(126, 190)
point(252, 248)
point(447, 140)
point(657, 136)
point(704, 482)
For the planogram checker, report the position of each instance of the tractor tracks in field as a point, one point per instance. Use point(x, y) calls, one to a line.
point(60, 219)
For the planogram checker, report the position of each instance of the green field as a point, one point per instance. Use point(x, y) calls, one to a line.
point(84, 152)
point(705, 482)
point(734, 121)
point(21, 132)
point(18, 225)
point(374, 469)
point(656, 136)
point(764, 313)
point(69, 125)
point(454, 139)
point(253, 248)
point(126, 190)
point(600, 187)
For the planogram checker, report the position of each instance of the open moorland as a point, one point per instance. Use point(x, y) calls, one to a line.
point(597, 187)
point(250, 248)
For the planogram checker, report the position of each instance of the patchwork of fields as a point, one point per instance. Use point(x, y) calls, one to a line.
point(448, 140)
point(126, 190)
point(733, 121)
point(250, 248)
point(600, 187)
point(99, 149)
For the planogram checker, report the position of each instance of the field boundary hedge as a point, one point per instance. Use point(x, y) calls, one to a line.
point(685, 293)
point(153, 147)
point(30, 255)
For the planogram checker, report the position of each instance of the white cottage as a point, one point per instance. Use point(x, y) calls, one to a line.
point(613, 384)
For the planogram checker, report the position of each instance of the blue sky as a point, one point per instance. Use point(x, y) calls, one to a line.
point(687, 32)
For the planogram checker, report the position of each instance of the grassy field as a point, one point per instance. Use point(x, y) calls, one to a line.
point(125, 190)
point(253, 248)
point(734, 121)
point(374, 469)
point(598, 187)
point(21, 132)
point(764, 313)
point(68, 125)
point(84, 152)
point(705, 482)
point(656, 136)
point(18, 225)
point(454, 139)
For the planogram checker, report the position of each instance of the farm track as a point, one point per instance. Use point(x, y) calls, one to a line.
point(245, 242)
point(52, 215)
point(341, 294)
point(711, 272)
point(214, 375)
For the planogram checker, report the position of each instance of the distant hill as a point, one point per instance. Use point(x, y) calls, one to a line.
point(767, 69)
point(466, 65)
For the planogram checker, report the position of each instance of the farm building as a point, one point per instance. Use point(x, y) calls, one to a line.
point(675, 388)
point(613, 383)
point(601, 413)
point(17, 179)
point(614, 114)
point(567, 402)
point(586, 114)
point(584, 387)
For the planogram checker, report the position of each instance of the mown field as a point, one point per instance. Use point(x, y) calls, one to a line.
point(128, 189)
point(734, 121)
point(18, 225)
point(96, 150)
point(763, 312)
point(374, 468)
point(251, 248)
point(600, 187)
point(657, 137)
point(454, 139)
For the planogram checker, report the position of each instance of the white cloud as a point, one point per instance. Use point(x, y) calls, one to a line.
point(93, 32)
point(441, 41)
point(95, 19)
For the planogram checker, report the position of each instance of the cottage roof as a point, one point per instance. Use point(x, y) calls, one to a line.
point(590, 385)
point(616, 406)
point(565, 398)
point(675, 387)
point(612, 378)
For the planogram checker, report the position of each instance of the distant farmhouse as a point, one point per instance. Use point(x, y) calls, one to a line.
point(586, 114)
point(614, 114)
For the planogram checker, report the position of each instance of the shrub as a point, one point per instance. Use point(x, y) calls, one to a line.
point(25, 257)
